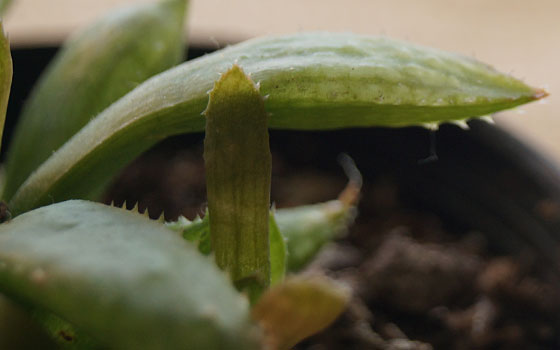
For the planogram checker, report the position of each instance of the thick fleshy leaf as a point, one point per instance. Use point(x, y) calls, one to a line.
point(94, 69)
point(129, 282)
point(6, 72)
point(238, 171)
point(313, 81)
point(308, 228)
point(299, 308)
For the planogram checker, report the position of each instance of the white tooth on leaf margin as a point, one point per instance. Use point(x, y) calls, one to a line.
point(461, 123)
point(431, 126)
point(488, 119)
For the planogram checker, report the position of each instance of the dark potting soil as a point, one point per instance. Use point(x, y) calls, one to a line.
point(421, 279)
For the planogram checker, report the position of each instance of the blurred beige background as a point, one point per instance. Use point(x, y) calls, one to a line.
point(521, 37)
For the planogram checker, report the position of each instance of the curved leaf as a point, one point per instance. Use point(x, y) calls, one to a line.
point(129, 282)
point(313, 81)
point(308, 228)
point(94, 69)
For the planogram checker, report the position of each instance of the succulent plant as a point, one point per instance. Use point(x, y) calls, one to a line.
point(97, 276)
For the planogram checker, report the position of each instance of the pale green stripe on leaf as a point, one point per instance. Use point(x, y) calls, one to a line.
point(313, 81)
point(6, 72)
point(127, 281)
point(238, 170)
point(95, 68)
point(278, 251)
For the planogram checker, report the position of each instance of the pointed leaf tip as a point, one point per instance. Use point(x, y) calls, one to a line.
point(234, 79)
point(540, 93)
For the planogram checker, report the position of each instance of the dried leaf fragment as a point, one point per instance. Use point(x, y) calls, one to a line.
point(299, 308)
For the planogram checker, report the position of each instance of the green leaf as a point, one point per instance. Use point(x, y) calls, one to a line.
point(196, 231)
point(299, 308)
point(190, 230)
point(6, 72)
point(238, 170)
point(313, 81)
point(94, 69)
point(296, 234)
point(278, 251)
point(308, 228)
point(127, 281)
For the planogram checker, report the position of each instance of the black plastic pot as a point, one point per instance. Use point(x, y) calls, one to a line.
point(481, 179)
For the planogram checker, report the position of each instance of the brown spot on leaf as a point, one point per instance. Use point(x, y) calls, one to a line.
point(66, 336)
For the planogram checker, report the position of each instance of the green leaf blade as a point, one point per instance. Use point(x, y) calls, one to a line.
point(94, 69)
point(356, 81)
point(308, 228)
point(129, 282)
point(238, 170)
point(313, 81)
point(296, 234)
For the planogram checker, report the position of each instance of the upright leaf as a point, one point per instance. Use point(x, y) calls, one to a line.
point(305, 230)
point(238, 170)
point(127, 281)
point(94, 69)
point(313, 81)
point(6, 72)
